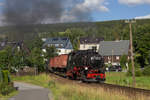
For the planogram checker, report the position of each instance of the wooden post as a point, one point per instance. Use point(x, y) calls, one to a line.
point(131, 51)
point(112, 56)
point(132, 58)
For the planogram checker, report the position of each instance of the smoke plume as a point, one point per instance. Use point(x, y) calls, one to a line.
point(24, 12)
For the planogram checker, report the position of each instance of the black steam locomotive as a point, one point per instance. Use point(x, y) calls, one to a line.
point(85, 65)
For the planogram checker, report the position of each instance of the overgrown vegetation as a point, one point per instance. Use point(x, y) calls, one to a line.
point(73, 91)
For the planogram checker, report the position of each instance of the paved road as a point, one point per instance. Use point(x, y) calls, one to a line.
point(30, 92)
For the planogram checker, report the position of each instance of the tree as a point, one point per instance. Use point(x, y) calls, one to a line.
point(142, 45)
point(36, 59)
point(6, 58)
point(123, 61)
point(50, 52)
point(74, 34)
point(3, 59)
point(18, 59)
point(37, 42)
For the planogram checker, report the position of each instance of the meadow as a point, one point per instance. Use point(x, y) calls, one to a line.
point(121, 78)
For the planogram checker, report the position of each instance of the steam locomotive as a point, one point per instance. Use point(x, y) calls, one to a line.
point(85, 65)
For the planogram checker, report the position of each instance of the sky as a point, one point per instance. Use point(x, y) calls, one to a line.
point(104, 10)
point(124, 9)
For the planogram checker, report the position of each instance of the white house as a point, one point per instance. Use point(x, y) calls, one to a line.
point(90, 43)
point(63, 45)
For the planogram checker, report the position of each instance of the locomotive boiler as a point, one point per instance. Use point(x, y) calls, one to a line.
point(85, 65)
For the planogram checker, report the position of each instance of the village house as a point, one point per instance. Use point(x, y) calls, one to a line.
point(90, 43)
point(113, 50)
point(63, 45)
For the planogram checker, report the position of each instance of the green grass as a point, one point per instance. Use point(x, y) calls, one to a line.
point(73, 91)
point(8, 96)
point(41, 80)
point(120, 78)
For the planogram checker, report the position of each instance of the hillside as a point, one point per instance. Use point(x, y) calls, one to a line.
point(110, 30)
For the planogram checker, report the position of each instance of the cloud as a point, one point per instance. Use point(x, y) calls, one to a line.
point(81, 11)
point(134, 2)
point(67, 11)
point(143, 17)
point(93, 5)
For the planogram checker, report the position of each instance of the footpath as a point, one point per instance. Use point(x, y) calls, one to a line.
point(31, 92)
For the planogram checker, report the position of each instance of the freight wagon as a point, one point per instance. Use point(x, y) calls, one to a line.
point(85, 65)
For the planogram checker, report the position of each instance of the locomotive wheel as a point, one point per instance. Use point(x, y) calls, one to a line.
point(74, 76)
point(69, 77)
point(83, 78)
point(100, 81)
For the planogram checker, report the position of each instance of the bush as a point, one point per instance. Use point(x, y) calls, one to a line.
point(5, 89)
point(138, 71)
point(146, 71)
point(6, 79)
point(5, 86)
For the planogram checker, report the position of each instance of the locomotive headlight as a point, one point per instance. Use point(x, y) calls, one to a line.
point(86, 68)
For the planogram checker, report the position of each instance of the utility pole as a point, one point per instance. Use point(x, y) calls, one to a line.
point(112, 56)
point(131, 51)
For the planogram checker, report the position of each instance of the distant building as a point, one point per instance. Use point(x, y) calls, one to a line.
point(113, 50)
point(90, 43)
point(4, 44)
point(43, 39)
point(63, 45)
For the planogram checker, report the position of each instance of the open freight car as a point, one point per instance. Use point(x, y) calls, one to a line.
point(85, 65)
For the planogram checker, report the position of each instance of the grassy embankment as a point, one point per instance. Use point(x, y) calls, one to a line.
point(8, 96)
point(120, 78)
point(74, 91)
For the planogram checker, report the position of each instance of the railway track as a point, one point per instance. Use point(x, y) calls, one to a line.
point(129, 91)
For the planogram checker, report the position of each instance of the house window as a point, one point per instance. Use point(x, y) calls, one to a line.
point(117, 57)
point(56, 45)
point(49, 45)
point(59, 50)
point(94, 47)
point(84, 46)
point(109, 61)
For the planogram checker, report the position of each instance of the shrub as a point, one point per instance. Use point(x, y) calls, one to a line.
point(146, 71)
point(5, 89)
point(138, 71)
point(123, 61)
point(5, 86)
point(5, 76)
point(1, 77)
